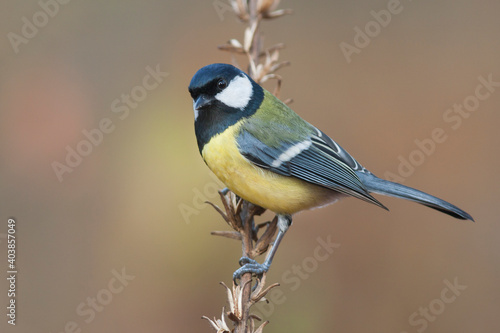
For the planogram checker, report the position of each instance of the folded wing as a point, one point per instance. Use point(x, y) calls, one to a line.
point(316, 159)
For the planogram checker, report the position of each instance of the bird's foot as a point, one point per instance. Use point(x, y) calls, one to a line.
point(250, 266)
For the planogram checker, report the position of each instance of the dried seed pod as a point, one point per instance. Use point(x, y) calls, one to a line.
point(264, 6)
point(277, 13)
point(240, 8)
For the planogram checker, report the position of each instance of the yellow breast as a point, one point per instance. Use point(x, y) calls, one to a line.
point(281, 194)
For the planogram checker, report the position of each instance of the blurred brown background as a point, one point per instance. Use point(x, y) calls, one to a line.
point(119, 210)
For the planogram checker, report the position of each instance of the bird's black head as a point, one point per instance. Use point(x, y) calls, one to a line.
point(222, 95)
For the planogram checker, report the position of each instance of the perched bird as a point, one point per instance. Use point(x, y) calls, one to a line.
point(268, 155)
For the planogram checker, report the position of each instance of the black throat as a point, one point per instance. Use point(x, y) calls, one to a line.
point(216, 118)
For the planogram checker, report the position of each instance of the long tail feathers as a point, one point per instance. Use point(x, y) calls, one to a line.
point(385, 187)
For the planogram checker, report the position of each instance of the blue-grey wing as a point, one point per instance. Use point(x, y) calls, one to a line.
point(316, 159)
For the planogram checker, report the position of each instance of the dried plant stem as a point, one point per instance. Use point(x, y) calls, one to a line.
point(246, 279)
point(238, 213)
point(256, 42)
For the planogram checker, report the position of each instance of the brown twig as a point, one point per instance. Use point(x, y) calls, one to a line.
point(246, 279)
point(253, 12)
point(239, 214)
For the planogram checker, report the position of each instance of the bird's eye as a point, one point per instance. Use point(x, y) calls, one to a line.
point(221, 84)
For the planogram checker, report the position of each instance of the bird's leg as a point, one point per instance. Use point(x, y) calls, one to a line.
point(251, 266)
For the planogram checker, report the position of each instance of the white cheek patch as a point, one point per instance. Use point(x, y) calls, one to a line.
point(237, 94)
point(291, 153)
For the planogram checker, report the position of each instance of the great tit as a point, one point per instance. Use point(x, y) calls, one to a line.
point(268, 155)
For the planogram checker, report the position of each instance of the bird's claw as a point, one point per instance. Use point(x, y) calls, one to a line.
point(249, 266)
point(245, 260)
